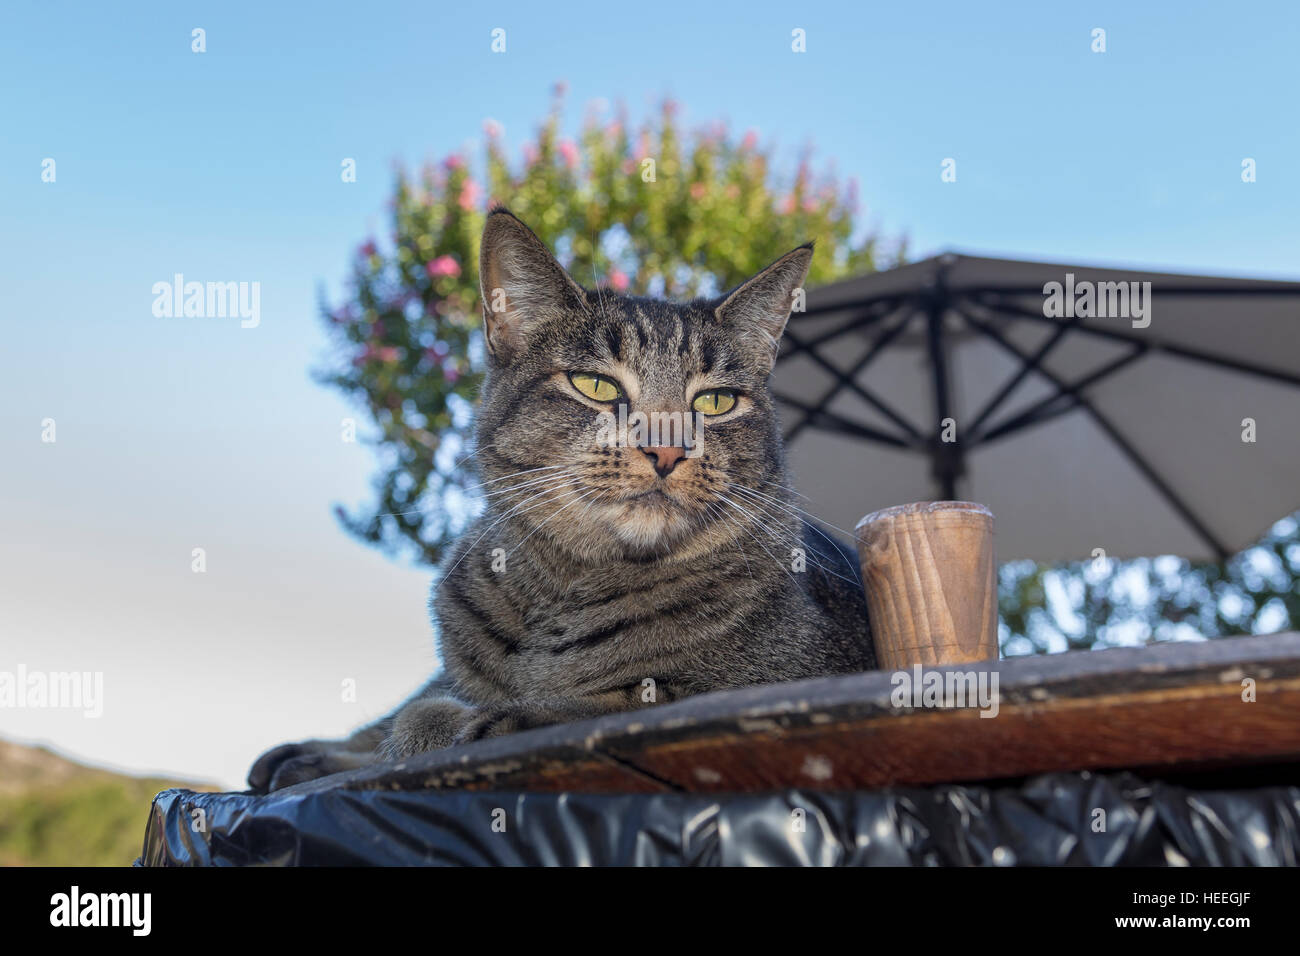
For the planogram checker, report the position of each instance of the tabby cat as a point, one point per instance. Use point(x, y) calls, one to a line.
point(604, 572)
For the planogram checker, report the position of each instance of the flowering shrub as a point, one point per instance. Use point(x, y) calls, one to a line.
point(655, 210)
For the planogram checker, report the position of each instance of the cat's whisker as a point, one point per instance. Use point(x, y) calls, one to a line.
point(758, 524)
point(812, 524)
point(765, 507)
point(589, 494)
point(595, 273)
point(509, 514)
point(559, 485)
point(765, 504)
point(785, 509)
point(531, 482)
point(529, 485)
point(517, 474)
point(772, 534)
point(472, 488)
point(787, 504)
point(777, 484)
point(718, 515)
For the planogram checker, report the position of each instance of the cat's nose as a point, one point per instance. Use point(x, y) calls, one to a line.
point(664, 458)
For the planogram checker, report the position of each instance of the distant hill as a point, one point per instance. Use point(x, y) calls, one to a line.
point(56, 812)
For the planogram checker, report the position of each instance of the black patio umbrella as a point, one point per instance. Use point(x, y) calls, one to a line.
point(1133, 412)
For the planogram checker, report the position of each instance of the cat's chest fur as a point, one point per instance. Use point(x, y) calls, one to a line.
point(535, 628)
point(539, 626)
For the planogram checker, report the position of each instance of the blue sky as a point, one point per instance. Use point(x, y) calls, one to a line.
point(225, 166)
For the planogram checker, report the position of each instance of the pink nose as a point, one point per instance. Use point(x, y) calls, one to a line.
point(664, 458)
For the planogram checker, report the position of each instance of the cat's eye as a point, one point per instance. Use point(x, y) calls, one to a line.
point(599, 388)
point(715, 401)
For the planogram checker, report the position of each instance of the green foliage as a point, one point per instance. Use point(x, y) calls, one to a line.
point(1126, 603)
point(97, 820)
point(709, 211)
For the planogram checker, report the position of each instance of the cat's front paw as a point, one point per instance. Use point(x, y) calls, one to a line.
point(265, 767)
point(511, 717)
point(288, 764)
point(425, 725)
point(496, 720)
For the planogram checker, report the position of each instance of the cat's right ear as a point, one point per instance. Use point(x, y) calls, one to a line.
point(522, 284)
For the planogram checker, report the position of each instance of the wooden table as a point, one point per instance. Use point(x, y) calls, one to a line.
point(1160, 708)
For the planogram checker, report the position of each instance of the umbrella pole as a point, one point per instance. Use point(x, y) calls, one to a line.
point(931, 586)
point(946, 463)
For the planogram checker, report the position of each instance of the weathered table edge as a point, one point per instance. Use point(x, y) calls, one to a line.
point(611, 754)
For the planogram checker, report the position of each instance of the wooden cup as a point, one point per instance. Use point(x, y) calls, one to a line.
point(930, 579)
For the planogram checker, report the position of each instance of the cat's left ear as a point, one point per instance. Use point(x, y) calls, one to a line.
point(760, 306)
point(521, 283)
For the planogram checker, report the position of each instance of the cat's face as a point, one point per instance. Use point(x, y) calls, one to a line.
point(621, 425)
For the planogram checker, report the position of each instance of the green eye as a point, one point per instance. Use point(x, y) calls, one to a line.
point(715, 401)
point(599, 388)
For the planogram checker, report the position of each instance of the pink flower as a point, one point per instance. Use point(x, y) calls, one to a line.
point(492, 128)
point(569, 152)
point(468, 195)
point(386, 353)
point(366, 249)
point(453, 163)
point(750, 141)
point(788, 204)
point(618, 279)
point(698, 191)
point(443, 266)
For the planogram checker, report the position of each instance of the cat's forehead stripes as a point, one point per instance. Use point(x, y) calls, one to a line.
point(662, 344)
point(671, 352)
point(614, 341)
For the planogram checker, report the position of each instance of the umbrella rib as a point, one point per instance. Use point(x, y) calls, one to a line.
point(1123, 443)
point(843, 424)
point(877, 345)
point(888, 300)
point(1044, 410)
point(870, 316)
point(1181, 351)
point(995, 402)
point(863, 392)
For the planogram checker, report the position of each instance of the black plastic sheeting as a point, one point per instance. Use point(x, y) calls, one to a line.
point(1047, 820)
